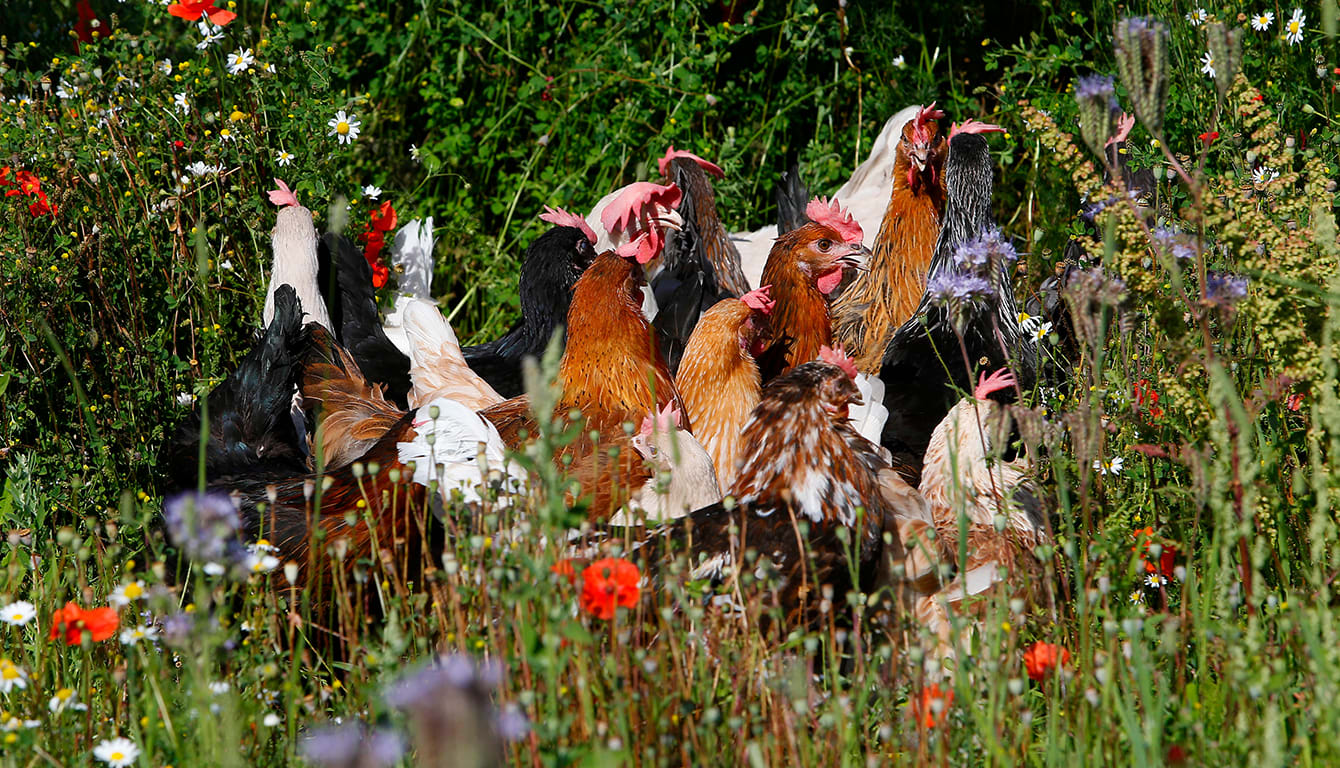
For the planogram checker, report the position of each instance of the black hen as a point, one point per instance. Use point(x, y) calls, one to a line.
point(700, 266)
point(553, 263)
point(252, 430)
point(924, 369)
point(792, 197)
point(359, 323)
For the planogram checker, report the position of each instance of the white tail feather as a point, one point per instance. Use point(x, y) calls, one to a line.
point(437, 367)
point(412, 254)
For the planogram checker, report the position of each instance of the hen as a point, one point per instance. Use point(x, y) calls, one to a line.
point(437, 367)
point(879, 300)
point(967, 319)
point(553, 263)
point(412, 257)
point(681, 480)
point(294, 243)
point(987, 519)
point(359, 322)
point(802, 464)
point(805, 266)
point(719, 378)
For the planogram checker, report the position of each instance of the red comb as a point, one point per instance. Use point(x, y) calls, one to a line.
point(562, 218)
point(1124, 126)
point(628, 206)
point(973, 126)
point(833, 215)
point(838, 356)
point(997, 381)
point(666, 420)
point(282, 196)
point(758, 299)
point(920, 131)
point(707, 165)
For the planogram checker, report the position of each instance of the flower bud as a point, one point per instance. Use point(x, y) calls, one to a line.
point(1098, 110)
point(1141, 47)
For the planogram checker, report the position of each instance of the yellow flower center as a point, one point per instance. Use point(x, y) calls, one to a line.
point(1293, 27)
point(342, 128)
point(64, 694)
point(118, 756)
point(9, 672)
point(236, 116)
point(133, 591)
point(225, 133)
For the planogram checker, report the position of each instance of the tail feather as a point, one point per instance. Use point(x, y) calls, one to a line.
point(412, 254)
point(353, 414)
point(792, 197)
point(250, 427)
point(361, 326)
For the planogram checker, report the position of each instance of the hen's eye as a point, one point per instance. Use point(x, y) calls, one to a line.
point(653, 451)
point(825, 244)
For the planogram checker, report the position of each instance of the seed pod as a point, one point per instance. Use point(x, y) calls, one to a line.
point(1141, 46)
point(1098, 110)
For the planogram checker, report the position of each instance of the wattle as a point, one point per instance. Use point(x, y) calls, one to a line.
point(829, 281)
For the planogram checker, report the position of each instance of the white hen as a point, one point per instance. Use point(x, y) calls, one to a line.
point(866, 195)
point(293, 241)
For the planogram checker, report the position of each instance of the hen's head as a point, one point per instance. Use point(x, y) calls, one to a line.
point(643, 208)
point(822, 254)
point(819, 384)
point(922, 148)
point(553, 263)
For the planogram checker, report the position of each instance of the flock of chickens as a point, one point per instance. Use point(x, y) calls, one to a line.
point(806, 392)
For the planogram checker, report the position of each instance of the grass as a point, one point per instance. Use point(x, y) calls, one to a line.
point(145, 287)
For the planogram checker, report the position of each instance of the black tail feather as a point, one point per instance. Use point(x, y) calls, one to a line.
point(792, 197)
point(360, 324)
point(251, 426)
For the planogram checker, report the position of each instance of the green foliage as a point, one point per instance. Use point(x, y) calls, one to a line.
point(144, 289)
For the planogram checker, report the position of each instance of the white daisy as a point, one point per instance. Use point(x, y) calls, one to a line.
point(226, 134)
point(1042, 331)
point(1137, 597)
point(344, 127)
point(1207, 64)
point(11, 677)
point(414, 152)
point(1293, 29)
point(126, 594)
point(213, 569)
point(240, 61)
point(18, 613)
point(118, 753)
point(284, 159)
point(373, 192)
point(899, 62)
point(185, 398)
point(1198, 17)
point(63, 700)
point(142, 632)
point(66, 91)
point(271, 720)
point(1112, 467)
point(260, 561)
point(165, 66)
point(226, 265)
point(11, 723)
point(269, 68)
point(1264, 174)
point(1262, 21)
point(210, 34)
point(180, 103)
point(199, 168)
point(1155, 580)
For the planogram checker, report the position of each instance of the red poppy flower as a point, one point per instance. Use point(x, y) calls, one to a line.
point(5, 181)
point(607, 584)
point(192, 9)
point(383, 220)
point(564, 568)
point(1295, 401)
point(72, 620)
point(1167, 562)
point(42, 207)
point(1209, 136)
point(923, 708)
point(1042, 658)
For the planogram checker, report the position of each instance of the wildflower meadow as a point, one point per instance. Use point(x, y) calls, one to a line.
point(1181, 438)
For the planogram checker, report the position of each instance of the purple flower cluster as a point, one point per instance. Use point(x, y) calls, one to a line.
point(1224, 288)
point(353, 745)
point(949, 287)
point(203, 525)
point(1173, 242)
point(1096, 88)
point(986, 249)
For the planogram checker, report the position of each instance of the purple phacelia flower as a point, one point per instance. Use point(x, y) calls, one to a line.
point(1225, 289)
point(948, 287)
point(204, 526)
point(353, 745)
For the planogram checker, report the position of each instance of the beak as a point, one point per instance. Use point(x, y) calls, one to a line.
point(669, 219)
point(919, 154)
point(858, 259)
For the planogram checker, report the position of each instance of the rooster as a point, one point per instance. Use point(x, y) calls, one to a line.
point(925, 357)
point(866, 194)
point(553, 263)
point(878, 301)
point(719, 378)
point(805, 266)
point(983, 505)
point(802, 463)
